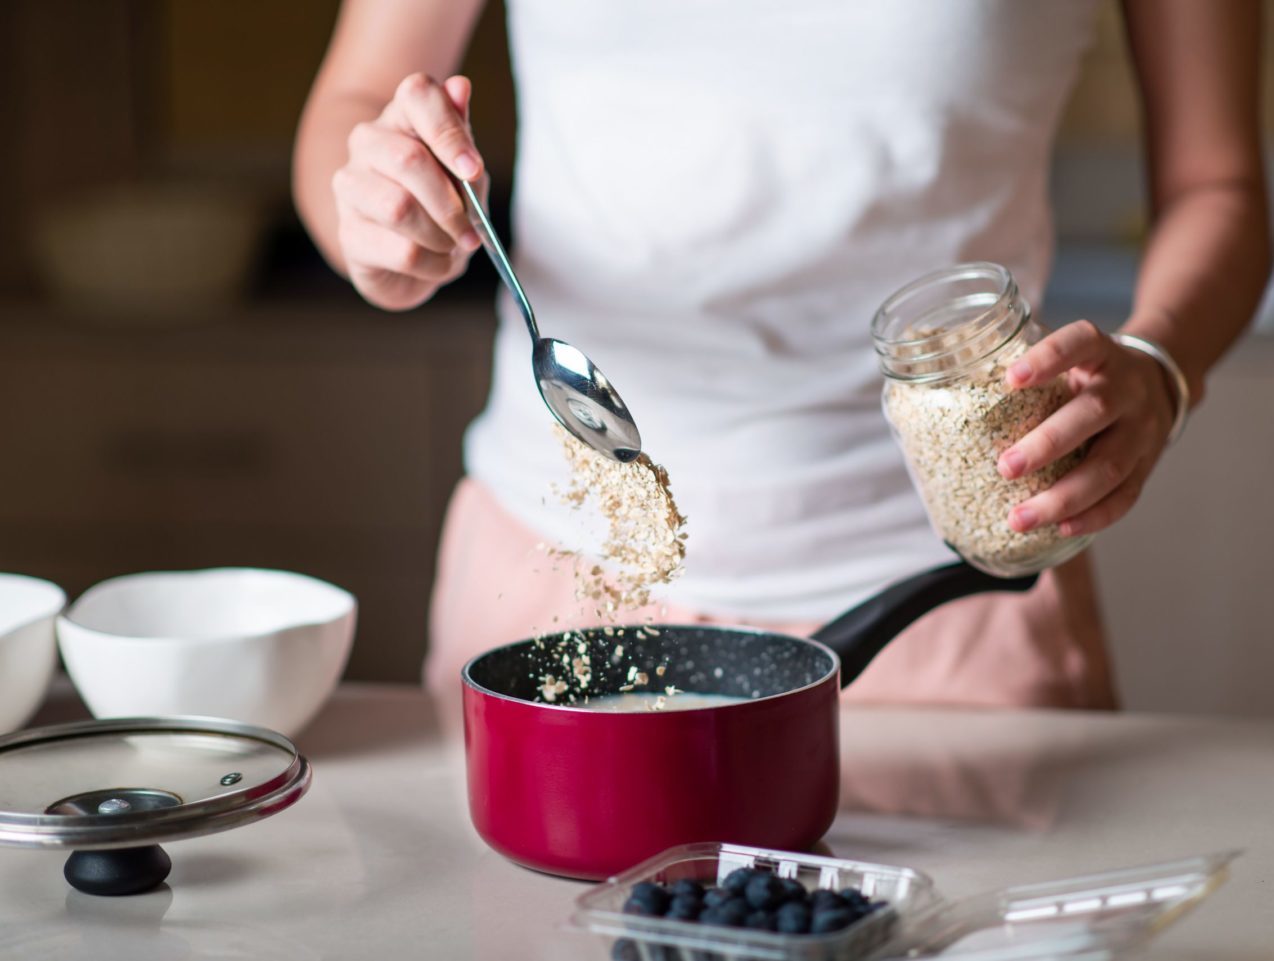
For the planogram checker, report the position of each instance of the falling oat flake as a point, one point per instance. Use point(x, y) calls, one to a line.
point(645, 543)
point(644, 546)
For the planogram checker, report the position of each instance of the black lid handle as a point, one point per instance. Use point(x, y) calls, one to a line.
point(120, 871)
point(860, 634)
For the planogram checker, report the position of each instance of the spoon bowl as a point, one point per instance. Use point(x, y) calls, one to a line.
point(583, 400)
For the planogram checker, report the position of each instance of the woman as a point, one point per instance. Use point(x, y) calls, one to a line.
point(711, 201)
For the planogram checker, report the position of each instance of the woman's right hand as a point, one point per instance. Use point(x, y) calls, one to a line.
point(403, 230)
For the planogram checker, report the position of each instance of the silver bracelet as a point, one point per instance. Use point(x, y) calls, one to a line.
point(1175, 376)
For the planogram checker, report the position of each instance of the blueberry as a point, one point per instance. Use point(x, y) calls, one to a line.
point(683, 908)
point(738, 879)
point(731, 914)
point(686, 888)
point(625, 949)
point(827, 900)
point(855, 897)
point(793, 918)
point(834, 920)
point(718, 896)
point(761, 921)
point(635, 905)
point(793, 890)
point(652, 895)
point(734, 913)
point(764, 892)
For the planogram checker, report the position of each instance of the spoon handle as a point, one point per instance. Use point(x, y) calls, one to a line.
point(495, 250)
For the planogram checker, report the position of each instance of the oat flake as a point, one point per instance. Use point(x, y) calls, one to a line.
point(953, 434)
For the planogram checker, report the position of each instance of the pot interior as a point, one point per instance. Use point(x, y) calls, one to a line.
point(701, 660)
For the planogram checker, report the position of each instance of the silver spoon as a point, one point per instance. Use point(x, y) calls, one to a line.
point(577, 393)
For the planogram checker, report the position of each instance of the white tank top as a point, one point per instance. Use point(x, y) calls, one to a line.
point(712, 197)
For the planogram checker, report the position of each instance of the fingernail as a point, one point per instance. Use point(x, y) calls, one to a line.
point(1069, 528)
point(1012, 463)
point(469, 240)
point(1020, 372)
point(1024, 518)
point(467, 166)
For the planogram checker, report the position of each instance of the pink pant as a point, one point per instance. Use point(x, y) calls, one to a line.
point(1044, 648)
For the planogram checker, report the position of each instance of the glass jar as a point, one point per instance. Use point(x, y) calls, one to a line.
point(944, 343)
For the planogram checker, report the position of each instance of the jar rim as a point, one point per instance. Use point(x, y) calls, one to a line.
point(953, 320)
point(1005, 291)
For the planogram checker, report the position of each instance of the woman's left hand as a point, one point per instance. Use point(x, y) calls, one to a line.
point(1121, 402)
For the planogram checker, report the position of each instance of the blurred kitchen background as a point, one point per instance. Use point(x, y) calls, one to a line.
point(184, 384)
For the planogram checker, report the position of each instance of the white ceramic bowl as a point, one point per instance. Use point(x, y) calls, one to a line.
point(149, 253)
point(265, 647)
point(28, 652)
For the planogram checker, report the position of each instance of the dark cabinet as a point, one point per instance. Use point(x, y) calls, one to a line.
point(319, 442)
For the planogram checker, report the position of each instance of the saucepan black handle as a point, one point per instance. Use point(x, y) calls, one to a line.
point(860, 634)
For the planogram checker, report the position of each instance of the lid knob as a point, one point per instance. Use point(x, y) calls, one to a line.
point(122, 871)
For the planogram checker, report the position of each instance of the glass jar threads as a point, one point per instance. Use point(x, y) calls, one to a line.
point(944, 342)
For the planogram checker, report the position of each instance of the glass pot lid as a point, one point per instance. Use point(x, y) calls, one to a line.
point(129, 782)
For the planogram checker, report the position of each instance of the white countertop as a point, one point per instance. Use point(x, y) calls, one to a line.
point(379, 859)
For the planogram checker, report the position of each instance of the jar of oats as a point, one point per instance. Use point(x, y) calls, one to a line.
point(944, 342)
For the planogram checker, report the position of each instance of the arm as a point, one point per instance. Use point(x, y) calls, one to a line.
point(1209, 256)
point(367, 170)
point(1202, 273)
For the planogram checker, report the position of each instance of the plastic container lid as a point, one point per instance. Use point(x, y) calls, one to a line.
point(1093, 917)
point(1097, 915)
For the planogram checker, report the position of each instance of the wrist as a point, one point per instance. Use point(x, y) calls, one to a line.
point(1162, 328)
point(1174, 381)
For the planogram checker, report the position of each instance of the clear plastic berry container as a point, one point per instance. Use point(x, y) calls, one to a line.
point(1089, 918)
point(659, 939)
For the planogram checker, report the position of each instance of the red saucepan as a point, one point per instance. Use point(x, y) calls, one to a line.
point(586, 794)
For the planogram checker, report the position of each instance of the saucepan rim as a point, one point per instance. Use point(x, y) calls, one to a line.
point(591, 633)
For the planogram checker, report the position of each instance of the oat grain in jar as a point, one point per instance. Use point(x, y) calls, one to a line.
point(944, 342)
